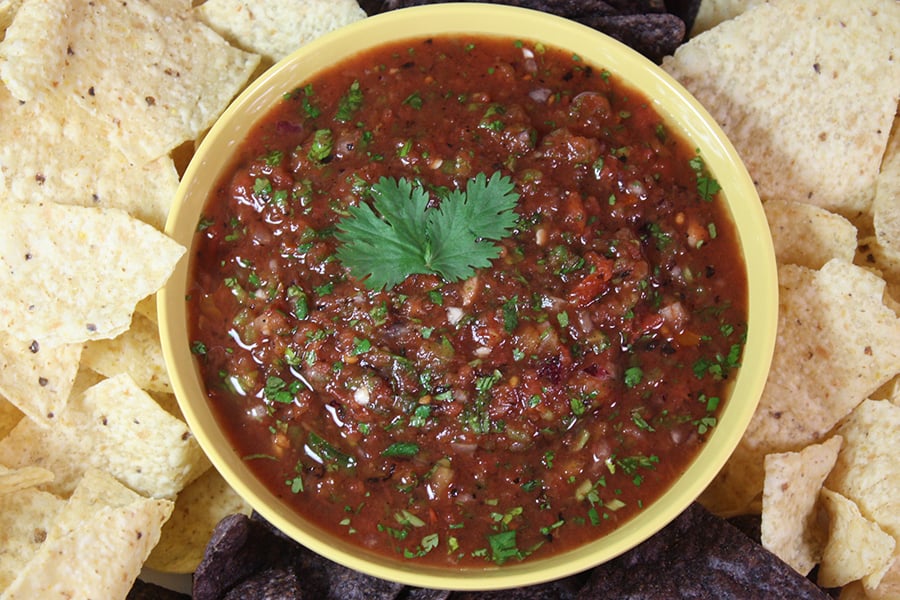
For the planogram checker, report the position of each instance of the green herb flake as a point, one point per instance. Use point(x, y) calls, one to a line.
point(349, 103)
point(633, 376)
point(401, 450)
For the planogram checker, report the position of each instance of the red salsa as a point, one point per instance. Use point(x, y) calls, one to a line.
point(522, 408)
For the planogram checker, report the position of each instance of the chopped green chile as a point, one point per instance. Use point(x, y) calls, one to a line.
point(522, 411)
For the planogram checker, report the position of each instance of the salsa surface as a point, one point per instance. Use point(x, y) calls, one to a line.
point(526, 410)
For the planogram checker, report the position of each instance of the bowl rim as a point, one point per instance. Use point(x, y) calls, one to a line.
point(669, 98)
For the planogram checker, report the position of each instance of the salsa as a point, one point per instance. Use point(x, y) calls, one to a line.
point(518, 381)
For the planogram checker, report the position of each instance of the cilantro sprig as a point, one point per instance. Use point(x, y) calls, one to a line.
point(399, 234)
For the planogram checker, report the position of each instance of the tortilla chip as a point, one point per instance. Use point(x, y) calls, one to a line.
point(72, 274)
point(8, 10)
point(837, 343)
point(889, 586)
point(96, 547)
point(10, 415)
point(25, 518)
point(74, 163)
point(856, 548)
point(872, 255)
point(275, 28)
point(114, 426)
point(37, 380)
point(713, 12)
point(867, 470)
point(14, 480)
point(137, 352)
point(180, 75)
point(807, 235)
point(790, 493)
point(782, 97)
point(886, 206)
point(198, 508)
point(22, 61)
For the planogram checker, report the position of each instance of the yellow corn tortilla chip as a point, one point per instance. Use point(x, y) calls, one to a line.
point(114, 426)
point(22, 62)
point(837, 343)
point(791, 489)
point(149, 71)
point(873, 255)
point(808, 235)
point(867, 470)
point(136, 352)
point(856, 547)
point(10, 415)
point(275, 28)
point(198, 508)
point(8, 10)
point(25, 519)
point(713, 12)
point(95, 548)
point(783, 98)
point(886, 206)
point(889, 586)
point(71, 274)
point(37, 380)
point(14, 480)
point(51, 152)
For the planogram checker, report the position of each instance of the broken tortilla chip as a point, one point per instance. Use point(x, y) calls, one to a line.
point(37, 380)
point(808, 235)
point(275, 28)
point(867, 470)
point(56, 291)
point(137, 352)
point(114, 426)
point(171, 88)
point(782, 97)
point(198, 508)
point(793, 481)
point(837, 343)
point(95, 548)
point(25, 518)
point(857, 548)
point(74, 163)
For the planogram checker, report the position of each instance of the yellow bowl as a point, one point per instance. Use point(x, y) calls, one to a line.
point(682, 112)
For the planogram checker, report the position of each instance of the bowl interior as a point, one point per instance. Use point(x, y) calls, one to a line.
point(683, 113)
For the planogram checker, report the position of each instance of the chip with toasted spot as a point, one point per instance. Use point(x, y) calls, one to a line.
point(275, 28)
point(114, 426)
point(137, 352)
point(867, 470)
point(822, 146)
point(198, 508)
point(791, 489)
point(37, 380)
point(178, 77)
point(95, 547)
point(857, 548)
point(55, 290)
point(808, 235)
point(75, 163)
point(25, 518)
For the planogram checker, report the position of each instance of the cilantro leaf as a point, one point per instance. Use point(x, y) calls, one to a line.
point(399, 235)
